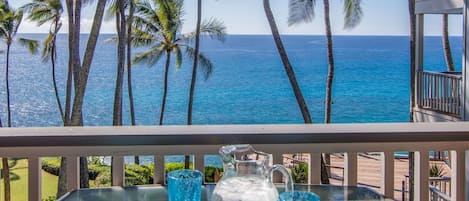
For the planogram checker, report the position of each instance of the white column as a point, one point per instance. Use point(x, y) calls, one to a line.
point(73, 173)
point(421, 181)
point(458, 185)
point(118, 171)
point(465, 65)
point(350, 169)
point(419, 51)
point(277, 159)
point(158, 172)
point(199, 164)
point(387, 174)
point(34, 183)
point(314, 167)
point(467, 175)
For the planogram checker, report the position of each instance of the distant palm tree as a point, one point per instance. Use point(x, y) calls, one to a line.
point(286, 63)
point(42, 12)
point(446, 44)
point(10, 20)
point(157, 25)
point(303, 11)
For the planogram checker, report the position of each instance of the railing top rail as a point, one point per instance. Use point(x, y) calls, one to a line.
point(229, 134)
point(456, 75)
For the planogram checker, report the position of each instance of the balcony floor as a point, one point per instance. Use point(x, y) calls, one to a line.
point(369, 171)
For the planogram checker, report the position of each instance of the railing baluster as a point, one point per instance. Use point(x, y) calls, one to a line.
point(387, 174)
point(314, 166)
point(118, 170)
point(158, 169)
point(421, 180)
point(199, 163)
point(73, 173)
point(350, 169)
point(34, 179)
point(458, 178)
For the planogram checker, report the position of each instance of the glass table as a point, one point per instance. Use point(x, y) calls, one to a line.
point(159, 193)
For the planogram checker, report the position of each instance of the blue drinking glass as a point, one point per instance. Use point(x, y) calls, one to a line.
point(184, 185)
point(298, 196)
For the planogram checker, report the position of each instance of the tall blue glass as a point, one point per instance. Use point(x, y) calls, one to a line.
point(184, 185)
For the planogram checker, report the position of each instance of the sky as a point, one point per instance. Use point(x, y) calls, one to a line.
point(381, 17)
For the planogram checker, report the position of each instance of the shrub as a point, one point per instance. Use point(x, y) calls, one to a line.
point(436, 171)
point(299, 173)
point(210, 173)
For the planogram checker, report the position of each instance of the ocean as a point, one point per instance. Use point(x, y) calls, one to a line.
point(248, 84)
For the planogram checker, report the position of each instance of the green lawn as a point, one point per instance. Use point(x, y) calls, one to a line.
point(19, 183)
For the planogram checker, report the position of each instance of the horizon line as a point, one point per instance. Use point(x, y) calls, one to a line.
point(267, 34)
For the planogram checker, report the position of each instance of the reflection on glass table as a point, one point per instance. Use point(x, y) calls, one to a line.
point(159, 193)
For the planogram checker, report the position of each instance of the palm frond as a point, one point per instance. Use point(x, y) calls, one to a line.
point(213, 28)
point(206, 66)
point(300, 11)
point(47, 49)
point(32, 45)
point(352, 13)
point(151, 57)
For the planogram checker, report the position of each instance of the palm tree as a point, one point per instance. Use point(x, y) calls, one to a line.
point(121, 38)
point(42, 12)
point(446, 44)
point(10, 20)
point(78, 77)
point(194, 69)
point(157, 25)
point(291, 76)
point(303, 11)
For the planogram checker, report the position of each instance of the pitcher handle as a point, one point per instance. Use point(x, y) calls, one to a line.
point(286, 173)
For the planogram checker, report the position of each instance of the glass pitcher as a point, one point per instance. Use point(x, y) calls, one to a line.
point(248, 175)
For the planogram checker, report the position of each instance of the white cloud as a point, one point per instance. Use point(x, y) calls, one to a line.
point(31, 27)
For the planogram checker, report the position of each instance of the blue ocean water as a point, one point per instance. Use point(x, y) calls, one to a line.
point(248, 84)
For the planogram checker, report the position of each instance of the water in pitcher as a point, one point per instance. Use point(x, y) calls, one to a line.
point(245, 188)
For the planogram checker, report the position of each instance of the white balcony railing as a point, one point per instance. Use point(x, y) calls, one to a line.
point(71, 142)
point(440, 92)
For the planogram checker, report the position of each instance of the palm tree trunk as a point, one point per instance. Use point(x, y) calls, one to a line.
point(196, 61)
point(77, 109)
point(292, 78)
point(7, 81)
point(62, 183)
point(54, 82)
point(129, 69)
point(129, 62)
point(120, 25)
point(165, 86)
point(412, 47)
point(330, 60)
point(62, 180)
point(286, 63)
point(6, 179)
point(194, 73)
point(330, 75)
point(446, 44)
point(68, 95)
